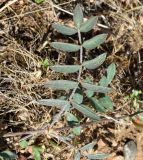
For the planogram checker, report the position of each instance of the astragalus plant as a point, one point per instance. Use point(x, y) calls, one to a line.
point(82, 89)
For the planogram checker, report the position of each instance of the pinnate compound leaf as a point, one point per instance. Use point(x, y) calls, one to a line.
point(54, 102)
point(96, 104)
point(96, 62)
point(106, 102)
point(86, 111)
point(77, 156)
point(88, 25)
point(111, 71)
point(95, 41)
point(95, 88)
point(97, 156)
point(61, 84)
point(65, 68)
point(8, 155)
point(88, 146)
point(78, 16)
point(67, 47)
point(64, 29)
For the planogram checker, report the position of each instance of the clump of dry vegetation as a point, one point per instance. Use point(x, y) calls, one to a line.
point(25, 36)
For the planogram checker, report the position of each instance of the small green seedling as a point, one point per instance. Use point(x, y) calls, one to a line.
point(38, 1)
point(36, 151)
point(45, 63)
point(134, 97)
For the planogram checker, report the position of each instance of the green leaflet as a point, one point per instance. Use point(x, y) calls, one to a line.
point(72, 120)
point(88, 146)
point(103, 81)
point(78, 97)
point(45, 63)
point(8, 155)
point(61, 84)
point(95, 88)
point(106, 102)
point(77, 130)
point(111, 71)
point(67, 47)
point(86, 111)
point(78, 16)
point(65, 68)
point(64, 29)
point(89, 93)
point(96, 62)
point(95, 41)
point(54, 102)
point(77, 156)
point(97, 105)
point(88, 25)
point(97, 156)
point(36, 151)
point(23, 144)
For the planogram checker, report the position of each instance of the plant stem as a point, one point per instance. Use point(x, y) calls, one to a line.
point(58, 116)
point(79, 37)
point(81, 48)
point(81, 59)
point(44, 130)
point(81, 55)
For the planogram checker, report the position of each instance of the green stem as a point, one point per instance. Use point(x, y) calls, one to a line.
point(81, 60)
point(81, 48)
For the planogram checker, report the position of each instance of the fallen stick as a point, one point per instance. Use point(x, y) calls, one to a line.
point(7, 5)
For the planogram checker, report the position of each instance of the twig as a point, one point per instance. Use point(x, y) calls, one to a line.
point(43, 130)
point(24, 14)
point(43, 9)
point(7, 5)
point(134, 9)
point(139, 57)
point(62, 139)
point(69, 127)
point(24, 133)
point(59, 8)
